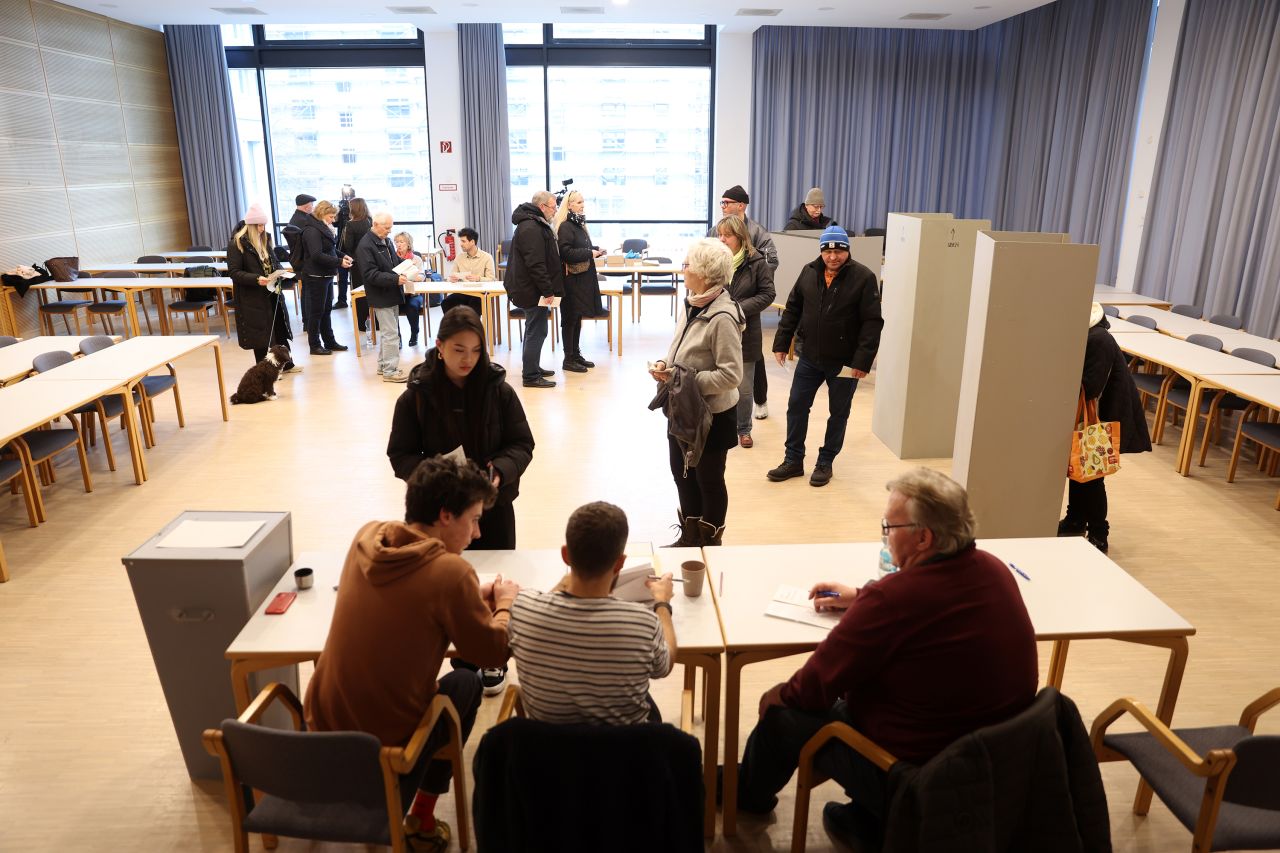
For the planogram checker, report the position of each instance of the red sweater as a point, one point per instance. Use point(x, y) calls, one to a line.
point(926, 655)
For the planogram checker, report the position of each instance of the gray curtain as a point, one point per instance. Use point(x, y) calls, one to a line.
point(1212, 235)
point(486, 156)
point(1028, 122)
point(206, 131)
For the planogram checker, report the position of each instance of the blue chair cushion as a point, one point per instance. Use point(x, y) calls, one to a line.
point(191, 305)
point(340, 822)
point(65, 306)
point(1149, 382)
point(108, 306)
point(1263, 433)
point(9, 468)
point(158, 384)
point(46, 442)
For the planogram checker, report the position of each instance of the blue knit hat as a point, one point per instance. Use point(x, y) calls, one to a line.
point(834, 237)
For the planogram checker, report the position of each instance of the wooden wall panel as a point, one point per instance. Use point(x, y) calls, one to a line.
point(25, 116)
point(26, 164)
point(80, 76)
point(43, 212)
point(161, 201)
point(87, 164)
point(99, 207)
point(139, 48)
point(166, 235)
point(145, 88)
point(155, 162)
point(150, 127)
point(87, 121)
point(62, 28)
point(20, 66)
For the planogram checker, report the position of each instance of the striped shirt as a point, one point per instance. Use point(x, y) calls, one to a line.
point(585, 660)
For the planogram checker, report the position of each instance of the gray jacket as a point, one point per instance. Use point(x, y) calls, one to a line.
point(688, 419)
point(711, 345)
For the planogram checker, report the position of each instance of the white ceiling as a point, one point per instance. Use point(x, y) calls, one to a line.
point(961, 14)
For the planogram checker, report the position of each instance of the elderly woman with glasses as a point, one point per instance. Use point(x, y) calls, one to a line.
point(700, 377)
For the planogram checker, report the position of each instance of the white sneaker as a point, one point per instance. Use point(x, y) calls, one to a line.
point(493, 681)
point(398, 376)
point(761, 411)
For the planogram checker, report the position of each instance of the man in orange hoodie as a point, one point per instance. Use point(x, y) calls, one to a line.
point(405, 595)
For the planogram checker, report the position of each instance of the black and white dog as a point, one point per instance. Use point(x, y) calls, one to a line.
point(258, 382)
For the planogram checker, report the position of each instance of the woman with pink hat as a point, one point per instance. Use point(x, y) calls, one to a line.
point(261, 319)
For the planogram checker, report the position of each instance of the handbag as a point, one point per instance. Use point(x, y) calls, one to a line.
point(578, 268)
point(1095, 445)
point(64, 269)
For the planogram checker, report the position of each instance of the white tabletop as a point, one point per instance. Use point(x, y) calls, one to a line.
point(143, 268)
point(1258, 388)
point(15, 359)
point(1105, 294)
point(1232, 341)
point(27, 405)
point(1177, 325)
point(1188, 359)
point(138, 283)
point(1075, 591)
point(486, 288)
point(178, 256)
point(1124, 327)
point(302, 630)
point(129, 359)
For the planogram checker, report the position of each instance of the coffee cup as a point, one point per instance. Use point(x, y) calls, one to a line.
point(694, 573)
point(304, 578)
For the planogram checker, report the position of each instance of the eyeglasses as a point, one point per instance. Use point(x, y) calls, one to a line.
point(684, 266)
point(724, 202)
point(885, 526)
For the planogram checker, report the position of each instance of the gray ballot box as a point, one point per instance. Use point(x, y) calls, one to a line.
point(196, 583)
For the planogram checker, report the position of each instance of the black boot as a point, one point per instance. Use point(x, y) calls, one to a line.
point(688, 531)
point(1072, 526)
point(1098, 533)
point(577, 348)
point(709, 534)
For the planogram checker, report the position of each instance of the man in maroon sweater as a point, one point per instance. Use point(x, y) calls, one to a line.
point(920, 658)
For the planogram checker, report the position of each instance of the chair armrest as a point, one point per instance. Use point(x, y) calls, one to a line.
point(1255, 709)
point(402, 759)
point(512, 705)
point(275, 691)
point(1187, 757)
point(852, 738)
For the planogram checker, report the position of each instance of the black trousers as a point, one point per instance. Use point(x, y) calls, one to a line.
point(432, 777)
point(317, 303)
point(344, 278)
point(1087, 503)
point(497, 529)
point(760, 391)
point(702, 490)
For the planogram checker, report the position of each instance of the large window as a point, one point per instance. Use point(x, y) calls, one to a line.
point(339, 32)
point(253, 150)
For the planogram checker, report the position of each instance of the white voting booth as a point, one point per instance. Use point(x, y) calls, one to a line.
point(1024, 351)
point(928, 271)
point(797, 248)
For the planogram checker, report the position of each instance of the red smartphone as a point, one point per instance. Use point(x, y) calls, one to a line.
point(281, 603)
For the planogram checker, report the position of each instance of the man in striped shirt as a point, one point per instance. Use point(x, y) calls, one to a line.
point(581, 655)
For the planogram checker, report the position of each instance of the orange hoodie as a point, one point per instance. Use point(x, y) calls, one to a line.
point(401, 600)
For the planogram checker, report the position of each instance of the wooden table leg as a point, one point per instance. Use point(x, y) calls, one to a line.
point(619, 313)
point(222, 388)
point(485, 320)
point(1187, 442)
point(1179, 649)
point(355, 328)
point(732, 702)
point(131, 415)
point(1057, 664)
point(157, 296)
point(132, 304)
point(711, 742)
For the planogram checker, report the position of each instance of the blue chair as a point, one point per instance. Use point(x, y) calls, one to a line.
point(7, 340)
point(1187, 311)
point(17, 475)
point(197, 300)
point(1225, 401)
point(38, 447)
point(1111, 310)
point(106, 408)
point(108, 308)
point(664, 285)
point(1230, 321)
point(1144, 321)
point(1177, 392)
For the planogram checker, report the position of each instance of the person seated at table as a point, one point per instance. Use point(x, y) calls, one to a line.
point(404, 596)
point(584, 656)
point(473, 264)
point(808, 215)
point(939, 648)
point(412, 301)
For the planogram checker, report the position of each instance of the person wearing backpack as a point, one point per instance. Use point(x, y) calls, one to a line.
point(293, 239)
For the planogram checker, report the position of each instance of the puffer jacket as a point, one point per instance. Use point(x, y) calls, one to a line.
point(752, 288)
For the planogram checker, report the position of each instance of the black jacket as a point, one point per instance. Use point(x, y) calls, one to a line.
point(1031, 783)
point(840, 323)
point(349, 241)
point(800, 221)
point(320, 257)
point(1106, 378)
point(375, 258)
point(534, 269)
point(581, 290)
point(257, 307)
point(419, 429)
point(752, 288)
point(293, 237)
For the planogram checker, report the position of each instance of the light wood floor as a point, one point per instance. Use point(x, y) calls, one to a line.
point(88, 758)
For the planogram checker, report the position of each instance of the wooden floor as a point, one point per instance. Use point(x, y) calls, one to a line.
point(88, 759)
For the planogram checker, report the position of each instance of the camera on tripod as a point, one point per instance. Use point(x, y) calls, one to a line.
point(564, 189)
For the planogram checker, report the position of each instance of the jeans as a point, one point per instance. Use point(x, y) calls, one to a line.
point(535, 335)
point(413, 312)
point(463, 689)
point(773, 752)
point(746, 395)
point(388, 320)
point(317, 301)
point(809, 377)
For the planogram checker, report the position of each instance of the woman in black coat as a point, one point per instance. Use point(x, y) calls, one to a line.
point(349, 237)
point(1106, 378)
point(320, 262)
point(458, 398)
point(752, 288)
point(581, 281)
point(261, 319)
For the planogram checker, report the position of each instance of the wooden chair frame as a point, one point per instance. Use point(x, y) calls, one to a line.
point(394, 760)
point(1215, 767)
point(45, 467)
point(807, 778)
point(149, 410)
point(1268, 457)
point(23, 479)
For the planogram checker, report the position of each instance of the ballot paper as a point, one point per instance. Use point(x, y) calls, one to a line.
point(457, 455)
point(793, 603)
point(210, 534)
point(631, 582)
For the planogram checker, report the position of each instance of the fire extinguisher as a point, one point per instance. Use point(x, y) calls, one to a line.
point(447, 243)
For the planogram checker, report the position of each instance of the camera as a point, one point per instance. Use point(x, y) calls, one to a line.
point(564, 188)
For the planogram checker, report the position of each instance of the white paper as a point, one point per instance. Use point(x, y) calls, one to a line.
point(631, 586)
point(210, 534)
point(825, 620)
point(457, 455)
point(550, 301)
point(793, 595)
point(487, 577)
point(846, 372)
point(406, 268)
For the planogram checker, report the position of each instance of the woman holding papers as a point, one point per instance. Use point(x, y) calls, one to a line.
point(752, 288)
point(261, 321)
point(412, 302)
point(581, 281)
point(699, 392)
point(320, 261)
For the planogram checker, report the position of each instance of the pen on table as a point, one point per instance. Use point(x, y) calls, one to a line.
point(721, 592)
point(1020, 571)
point(826, 593)
point(673, 580)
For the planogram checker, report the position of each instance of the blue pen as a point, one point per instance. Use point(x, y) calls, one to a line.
point(1020, 571)
point(826, 593)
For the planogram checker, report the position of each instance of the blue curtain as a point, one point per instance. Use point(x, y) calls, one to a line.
point(1028, 122)
point(1212, 235)
point(206, 131)
point(485, 153)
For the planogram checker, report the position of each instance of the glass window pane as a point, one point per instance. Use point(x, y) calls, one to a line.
point(631, 32)
point(338, 32)
point(525, 119)
point(237, 35)
point(371, 133)
point(253, 151)
point(522, 33)
point(612, 131)
point(666, 239)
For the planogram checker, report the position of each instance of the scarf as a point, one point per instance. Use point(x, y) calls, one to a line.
point(577, 218)
point(701, 300)
point(740, 258)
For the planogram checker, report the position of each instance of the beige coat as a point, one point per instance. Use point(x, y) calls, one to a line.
point(711, 345)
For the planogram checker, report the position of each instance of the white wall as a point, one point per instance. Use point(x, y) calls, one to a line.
point(444, 123)
point(731, 159)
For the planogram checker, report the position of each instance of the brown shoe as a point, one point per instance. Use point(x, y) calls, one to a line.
point(745, 441)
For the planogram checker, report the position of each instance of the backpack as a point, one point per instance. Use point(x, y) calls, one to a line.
point(297, 249)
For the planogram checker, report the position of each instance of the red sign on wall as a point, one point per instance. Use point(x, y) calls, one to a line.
point(446, 147)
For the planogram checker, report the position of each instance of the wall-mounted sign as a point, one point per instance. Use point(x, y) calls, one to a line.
point(446, 147)
point(448, 188)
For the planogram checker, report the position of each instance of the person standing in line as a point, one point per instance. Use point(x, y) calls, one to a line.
point(344, 216)
point(261, 321)
point(321, 262)
point(581, 281)
point(808, 216)
point(412, 302)
point(752, 288)
point(352, 234)
point(303, 206)
point(834, 313)
point(384, 291)
point(474, 264)
point(535, 276)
